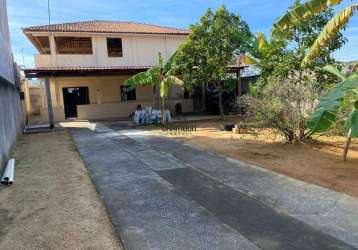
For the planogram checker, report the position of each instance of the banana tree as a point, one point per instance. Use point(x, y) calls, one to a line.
point(161, 77)
point(326, 113)
point(329, 31)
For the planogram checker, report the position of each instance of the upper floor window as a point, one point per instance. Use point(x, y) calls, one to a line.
point(128, 94)
point(73, 45)
point(43, 44)
point(114, 47)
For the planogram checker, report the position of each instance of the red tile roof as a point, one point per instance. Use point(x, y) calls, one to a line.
point(108, 27)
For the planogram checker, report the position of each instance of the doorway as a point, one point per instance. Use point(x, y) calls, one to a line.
point(73, 97)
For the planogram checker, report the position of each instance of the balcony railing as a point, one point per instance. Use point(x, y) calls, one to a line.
point(60, 60)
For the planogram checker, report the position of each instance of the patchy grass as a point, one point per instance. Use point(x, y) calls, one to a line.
point(53, 203)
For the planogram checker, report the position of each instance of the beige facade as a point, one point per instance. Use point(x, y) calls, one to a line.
point(138, 50)
point(104, 98)
point(140, 45)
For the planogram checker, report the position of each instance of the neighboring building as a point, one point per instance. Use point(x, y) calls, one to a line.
point(88, 62)
point(10, 104)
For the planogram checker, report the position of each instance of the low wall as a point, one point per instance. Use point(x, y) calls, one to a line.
point(58, 115)
point(10, 118)
point(109, 110)
point(187, 105)
point(124, 109)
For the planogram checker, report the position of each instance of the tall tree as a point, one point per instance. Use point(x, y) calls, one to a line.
point(304, 11)
point(286, 49)
point(287, 91)
point(346, 91)
point(214, 44)
point(160, 77)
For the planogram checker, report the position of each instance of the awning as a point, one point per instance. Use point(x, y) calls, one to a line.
point(43, 72)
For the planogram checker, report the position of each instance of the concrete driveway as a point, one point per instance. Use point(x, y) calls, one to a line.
point(161, 194)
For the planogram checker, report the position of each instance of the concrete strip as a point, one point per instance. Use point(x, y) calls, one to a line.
point(261, 224)
point(326, 210)
point(158, 160)
point(145, 209)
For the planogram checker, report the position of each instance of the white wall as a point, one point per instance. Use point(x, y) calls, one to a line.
point(6, 59)
point(138, 50)
point(10, 104)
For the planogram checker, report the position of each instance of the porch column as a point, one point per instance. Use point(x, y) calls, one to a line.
point(49, 102)
point(239, 87)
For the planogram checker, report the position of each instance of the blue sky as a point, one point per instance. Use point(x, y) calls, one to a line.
point(259, 14)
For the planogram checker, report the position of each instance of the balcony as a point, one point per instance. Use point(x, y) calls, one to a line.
point(65, 61)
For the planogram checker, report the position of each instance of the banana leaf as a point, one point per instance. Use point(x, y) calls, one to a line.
point(262, 41)
point(149, 77)
point(301, 12)
point(167, 82)
point(352, 122)
point(333, 70)
point(325, 115)
point(329, 31)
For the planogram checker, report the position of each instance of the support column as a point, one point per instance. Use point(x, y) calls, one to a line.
point(239, 87)
point(49, 102)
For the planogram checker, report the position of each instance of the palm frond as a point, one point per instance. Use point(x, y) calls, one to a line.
point(169, 64)
point(149, 77)
point(160, 60)
point(329, 31)
point(333, 70)
point(301, 12)
point(164, 89)
point(167, 82)
point(173, 80)
point(262, 40)
point(246, 59)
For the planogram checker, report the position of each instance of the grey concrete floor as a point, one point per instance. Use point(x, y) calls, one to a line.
point(161, 194)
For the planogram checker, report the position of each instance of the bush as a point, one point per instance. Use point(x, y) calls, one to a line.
point(283, 104)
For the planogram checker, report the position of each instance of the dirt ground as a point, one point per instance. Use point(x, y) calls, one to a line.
point(319, 163)
point(53, 203)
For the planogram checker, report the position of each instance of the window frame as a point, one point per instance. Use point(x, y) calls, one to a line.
point(120, 54)
point(124, 94)
point(90, 51)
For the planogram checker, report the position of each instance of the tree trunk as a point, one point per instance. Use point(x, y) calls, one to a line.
point(157, 97)
point(345, 152)
point(162, 111)
point(221, 107)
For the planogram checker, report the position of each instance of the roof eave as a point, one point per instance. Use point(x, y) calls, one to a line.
point(28, 31)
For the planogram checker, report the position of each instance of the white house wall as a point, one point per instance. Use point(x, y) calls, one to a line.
point(138, 50)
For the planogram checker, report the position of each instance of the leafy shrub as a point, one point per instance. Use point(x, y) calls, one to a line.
point(284, 104)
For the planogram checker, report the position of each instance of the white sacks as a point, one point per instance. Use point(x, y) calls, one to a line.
point(148, 115)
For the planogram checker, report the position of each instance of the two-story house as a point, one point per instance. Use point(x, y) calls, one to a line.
point(87, 62)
